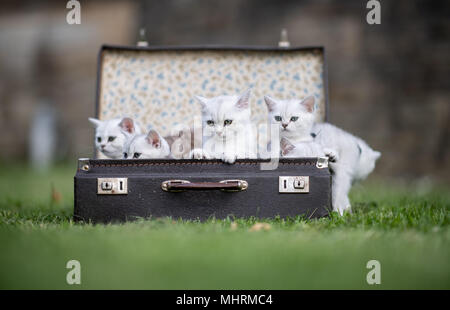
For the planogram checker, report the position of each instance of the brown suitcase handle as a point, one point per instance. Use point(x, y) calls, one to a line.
point(183, 185)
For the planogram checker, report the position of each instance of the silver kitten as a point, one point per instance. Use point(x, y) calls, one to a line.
point(228, 133)
point(146, 146)
point(356, 160)
point(110, 135)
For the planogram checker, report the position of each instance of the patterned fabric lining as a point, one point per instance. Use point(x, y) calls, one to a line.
point(157, 87)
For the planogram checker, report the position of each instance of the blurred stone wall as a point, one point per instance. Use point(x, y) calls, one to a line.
point(45, 61)
point(388, 83)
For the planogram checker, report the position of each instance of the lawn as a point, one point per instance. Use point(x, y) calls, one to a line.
point(404, 227)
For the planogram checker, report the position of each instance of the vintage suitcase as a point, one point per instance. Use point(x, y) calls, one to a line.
point(156, 85)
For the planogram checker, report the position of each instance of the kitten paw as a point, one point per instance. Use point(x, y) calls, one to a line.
point(229, 158)
point(341, 208)
point(331, 154)
point(199, 154)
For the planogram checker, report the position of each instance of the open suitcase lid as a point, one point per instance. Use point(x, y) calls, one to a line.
point(156, 85)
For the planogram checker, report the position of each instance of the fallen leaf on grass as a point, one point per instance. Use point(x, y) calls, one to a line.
point(260, 226)
point(56, 196)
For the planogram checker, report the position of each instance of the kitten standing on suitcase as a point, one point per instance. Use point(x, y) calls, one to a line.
point(110, 137)
point(228, 133)
point(356, 159)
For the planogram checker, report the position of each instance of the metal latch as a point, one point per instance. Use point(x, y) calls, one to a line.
point(112, 186)
point(293, 184)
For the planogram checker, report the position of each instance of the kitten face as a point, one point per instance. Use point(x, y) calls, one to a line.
point(224, 116)
point(294, 117)
point(110, 137)
point(148, 146)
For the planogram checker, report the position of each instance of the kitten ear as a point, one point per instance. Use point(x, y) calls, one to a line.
point(270, 102)
point(94, 121)
point(244, 99)
point(286, 146)
point(203, 101)
point(154, 139)
point(127, 125)
point(308, 103)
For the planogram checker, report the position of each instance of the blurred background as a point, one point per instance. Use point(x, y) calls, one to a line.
point(388, 83)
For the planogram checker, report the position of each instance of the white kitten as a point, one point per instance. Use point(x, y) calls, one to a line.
point(295, 117)
point(356, 158)
point(228, 133)
point(146, 146)
point(110, 137)
point(356, 161)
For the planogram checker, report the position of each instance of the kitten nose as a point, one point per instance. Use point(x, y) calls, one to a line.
point(284, 125)
point(102, 146)
point(219, 133)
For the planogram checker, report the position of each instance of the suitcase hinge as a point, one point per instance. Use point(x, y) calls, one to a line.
point(142, 38)
point(83, 164)
point(322, 162)
point(284, 41)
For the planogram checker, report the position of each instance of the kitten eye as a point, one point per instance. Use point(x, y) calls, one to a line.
point(111, 139)
point(125, 155)
point(136, 155)
point(99, 139)
point(294, 118)
point(278, 118)
point(227, 122)
point(210, 123)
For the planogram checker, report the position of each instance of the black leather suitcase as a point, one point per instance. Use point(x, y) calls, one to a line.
point(155, 85)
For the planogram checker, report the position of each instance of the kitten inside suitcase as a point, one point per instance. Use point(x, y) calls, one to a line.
point(228, 134)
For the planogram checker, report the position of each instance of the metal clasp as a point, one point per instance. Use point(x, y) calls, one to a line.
point(293, 184)
point(112, 186)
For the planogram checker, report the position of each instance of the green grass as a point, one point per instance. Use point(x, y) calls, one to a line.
point(404, 228)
